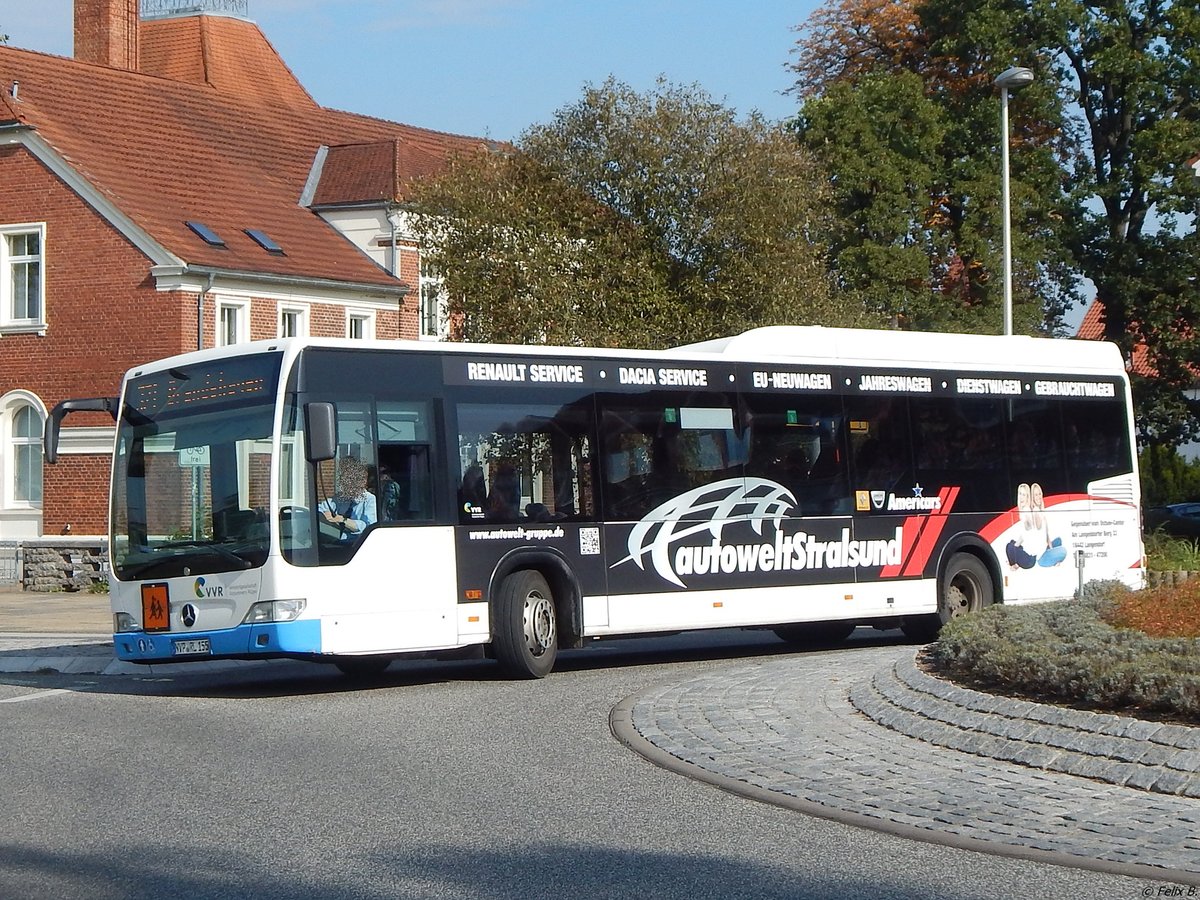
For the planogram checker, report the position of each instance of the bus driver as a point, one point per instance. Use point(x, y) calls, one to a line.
point(352, 508)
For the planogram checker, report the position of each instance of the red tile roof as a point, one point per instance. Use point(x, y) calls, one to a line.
point(358, 173)
point(224, 135)
point(1092, 329)
point(1092, 326)
point(231, 55)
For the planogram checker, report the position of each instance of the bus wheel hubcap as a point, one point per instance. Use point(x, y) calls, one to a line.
point(539, 624)
point(962, 596)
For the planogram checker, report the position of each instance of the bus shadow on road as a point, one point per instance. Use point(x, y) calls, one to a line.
point(295, 678)
point(730, 644)
point(559, 868)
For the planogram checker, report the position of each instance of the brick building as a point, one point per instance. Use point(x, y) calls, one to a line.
point(174, 186)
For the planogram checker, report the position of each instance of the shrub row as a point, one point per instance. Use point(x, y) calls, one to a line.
point(1068, 652)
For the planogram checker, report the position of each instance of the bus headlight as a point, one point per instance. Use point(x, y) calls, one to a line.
point(123, 623)
point(274, 611)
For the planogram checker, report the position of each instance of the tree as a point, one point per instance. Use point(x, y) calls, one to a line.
point(1127, 76)
point(648, 219)
point(1100, 146)
point(845, 40)
point(909, 137)
point(884, 253)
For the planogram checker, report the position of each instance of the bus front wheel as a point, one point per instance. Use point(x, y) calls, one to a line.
point(526, 628)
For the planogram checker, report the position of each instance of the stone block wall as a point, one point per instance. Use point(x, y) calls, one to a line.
point(64, 566)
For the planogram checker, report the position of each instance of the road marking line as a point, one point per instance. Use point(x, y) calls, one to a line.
point(36, 696)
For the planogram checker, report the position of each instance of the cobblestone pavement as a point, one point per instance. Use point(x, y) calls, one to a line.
point(787, 732)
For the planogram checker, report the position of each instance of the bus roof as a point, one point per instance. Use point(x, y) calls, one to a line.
point(924, 348)
point(789, 344)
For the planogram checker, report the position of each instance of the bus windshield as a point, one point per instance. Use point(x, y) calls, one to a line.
point(191, 484)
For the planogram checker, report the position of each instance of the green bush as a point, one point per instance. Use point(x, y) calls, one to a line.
point(1168, 554)
point(1066, 652)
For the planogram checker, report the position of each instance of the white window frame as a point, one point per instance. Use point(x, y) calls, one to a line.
point(366, 317)
point(430, 286)
point(241, 321)
point(9, 323)
point(301, 314)
point(10, 404)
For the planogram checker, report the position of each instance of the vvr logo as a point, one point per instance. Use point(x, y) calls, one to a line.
point(206, 592)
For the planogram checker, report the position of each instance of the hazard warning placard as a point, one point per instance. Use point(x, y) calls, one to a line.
point(156, 608)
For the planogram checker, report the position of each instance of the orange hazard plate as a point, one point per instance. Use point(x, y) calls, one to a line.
point(156, 608)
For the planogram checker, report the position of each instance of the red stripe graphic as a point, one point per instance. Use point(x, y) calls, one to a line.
point(933, 530)
point(908, 540)
point(919, 535)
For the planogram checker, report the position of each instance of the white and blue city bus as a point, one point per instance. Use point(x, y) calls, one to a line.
point(526, 499)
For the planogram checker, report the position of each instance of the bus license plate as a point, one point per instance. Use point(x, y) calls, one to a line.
point(193, 647)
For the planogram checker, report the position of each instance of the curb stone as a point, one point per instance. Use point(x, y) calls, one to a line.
point(799, 742)
point(1132, 752)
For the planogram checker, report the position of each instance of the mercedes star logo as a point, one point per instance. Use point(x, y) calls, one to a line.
point(189, 615)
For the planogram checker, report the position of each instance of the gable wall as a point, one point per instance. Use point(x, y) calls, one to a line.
point(103, 316)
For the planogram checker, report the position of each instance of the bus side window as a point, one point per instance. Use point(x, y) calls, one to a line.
point(799, 443)
point(967, 435)
point(405, 487)
point(523, 462)
point(1033, 433)
point(1097, 439)
point(661, 445)
point(405, 461)
point(880, 446)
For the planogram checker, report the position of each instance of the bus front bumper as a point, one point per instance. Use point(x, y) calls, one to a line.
point(262, 641)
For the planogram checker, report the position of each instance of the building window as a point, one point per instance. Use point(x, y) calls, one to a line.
point(22, 288)
point(360, 325)
point(432, 312)
point(27, 456)
point(293, 321)
point(21, 418)
point(233, 320)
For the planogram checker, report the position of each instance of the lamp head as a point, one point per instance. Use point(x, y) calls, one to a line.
point(1016, 77)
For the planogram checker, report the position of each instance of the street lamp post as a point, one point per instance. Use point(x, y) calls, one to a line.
point(1009, 79)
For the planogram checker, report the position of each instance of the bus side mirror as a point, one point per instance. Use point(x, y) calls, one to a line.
point(320, 431)
point(60, 412)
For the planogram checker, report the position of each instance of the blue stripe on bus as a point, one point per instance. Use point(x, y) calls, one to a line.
point(274, 639)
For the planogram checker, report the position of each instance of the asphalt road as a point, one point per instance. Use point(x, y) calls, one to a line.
point(435, 780)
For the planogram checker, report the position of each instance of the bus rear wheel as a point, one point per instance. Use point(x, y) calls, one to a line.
point(966, 587)
point(526, 627)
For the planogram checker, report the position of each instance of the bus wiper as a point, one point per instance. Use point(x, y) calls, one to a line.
point(216, 548)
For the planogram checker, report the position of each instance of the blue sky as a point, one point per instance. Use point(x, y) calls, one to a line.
point(494, 67)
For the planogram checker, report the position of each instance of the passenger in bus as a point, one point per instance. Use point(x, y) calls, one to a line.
point(503, 502)
point(473, 494)
point(352, 507)
point(390, 493)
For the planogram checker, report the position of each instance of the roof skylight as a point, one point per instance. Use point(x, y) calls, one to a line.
point(205, 233)
point(264, 240)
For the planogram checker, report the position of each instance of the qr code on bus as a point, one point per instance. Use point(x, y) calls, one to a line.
point(589, 541)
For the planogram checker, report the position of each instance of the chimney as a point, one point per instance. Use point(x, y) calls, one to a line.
point(106, 33)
